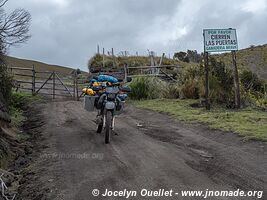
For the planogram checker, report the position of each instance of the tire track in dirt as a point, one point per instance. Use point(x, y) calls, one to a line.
point(159, 153)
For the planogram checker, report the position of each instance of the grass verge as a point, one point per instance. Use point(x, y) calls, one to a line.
point(19, 102)
point(249, 123)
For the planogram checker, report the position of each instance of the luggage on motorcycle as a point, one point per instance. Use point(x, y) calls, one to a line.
point(107, 78)
point(99, 102)
point(126, 89)
point(89, 91)
point(119, 107)
point(89, 103)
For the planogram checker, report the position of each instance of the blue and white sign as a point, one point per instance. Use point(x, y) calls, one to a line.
point(216, 40)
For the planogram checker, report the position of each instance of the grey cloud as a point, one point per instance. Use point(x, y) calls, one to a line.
point(67, 33)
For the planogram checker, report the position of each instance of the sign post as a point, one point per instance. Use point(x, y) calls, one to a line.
point(206, 64)
point(236, 81)
point(221, 40)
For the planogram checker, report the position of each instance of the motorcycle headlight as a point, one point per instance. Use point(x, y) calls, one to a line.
point(111, 96)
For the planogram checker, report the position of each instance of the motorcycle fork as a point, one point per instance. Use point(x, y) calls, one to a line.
point(104, 120)
point(113, 123)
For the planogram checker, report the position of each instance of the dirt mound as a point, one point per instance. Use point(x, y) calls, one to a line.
point(17, 150)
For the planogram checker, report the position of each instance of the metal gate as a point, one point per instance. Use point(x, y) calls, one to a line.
point(50, 83)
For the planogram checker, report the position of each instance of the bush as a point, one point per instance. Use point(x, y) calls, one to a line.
point(190, 89)
point(20, 99)
point(5, 85)
point(192, 81)
point(251, 81)
point(19, 102)
point(147, 88)
point(172, 91)
point(221, 83)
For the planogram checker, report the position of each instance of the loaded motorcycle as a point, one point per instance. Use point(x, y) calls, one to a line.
point(109, 102)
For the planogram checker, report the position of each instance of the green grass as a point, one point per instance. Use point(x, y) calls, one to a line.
point(39, 66)
point(248, 122)
point(19, 101)
point(17, 117)
point(133, 61)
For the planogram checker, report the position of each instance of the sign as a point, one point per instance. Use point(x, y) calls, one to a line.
point(220, 40)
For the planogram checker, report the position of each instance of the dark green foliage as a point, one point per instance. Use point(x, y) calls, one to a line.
point(193, 56)
point(221, 82)
point(20, 99)
point(251, 81)
point(189, 56)
point(186, 59)
point(78, 71)
point(147, 88)
point(182, 56)
point(5, 84)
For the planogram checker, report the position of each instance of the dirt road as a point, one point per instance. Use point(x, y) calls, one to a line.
point(152, 151)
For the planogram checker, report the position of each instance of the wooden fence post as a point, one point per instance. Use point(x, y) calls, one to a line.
point(103, 59)
point(236, 81)
point(113, 57)
point(77, 87)
point(125, 72)
point(54, 85)
point(265, 91)
point(33, 80)
point(98, 52)
point(206, 63)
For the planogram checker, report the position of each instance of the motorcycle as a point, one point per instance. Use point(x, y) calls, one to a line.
point(109, 104)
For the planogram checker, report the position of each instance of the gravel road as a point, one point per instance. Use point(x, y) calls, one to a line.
point(152, 151)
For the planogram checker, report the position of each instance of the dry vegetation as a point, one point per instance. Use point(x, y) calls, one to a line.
point(39, 66)
point(253, 58)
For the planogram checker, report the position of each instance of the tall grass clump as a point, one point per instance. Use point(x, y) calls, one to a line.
point(147, 88)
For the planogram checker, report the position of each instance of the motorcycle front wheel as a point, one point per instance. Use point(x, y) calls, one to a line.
point(108, 126)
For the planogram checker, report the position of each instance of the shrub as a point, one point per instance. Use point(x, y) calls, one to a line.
point(172, 91)
point(20, 99)
point(190, 89)
point(147, 88)
point(251, 81)
point(5, 84)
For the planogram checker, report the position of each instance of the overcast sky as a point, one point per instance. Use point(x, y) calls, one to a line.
point(66, 32)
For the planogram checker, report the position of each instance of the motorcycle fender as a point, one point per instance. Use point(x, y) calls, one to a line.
point(110, 105)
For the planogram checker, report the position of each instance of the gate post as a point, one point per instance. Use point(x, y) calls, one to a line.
point(236, 81)
point(54, 85)
point(206, 63)
point(74, 87)
point(77, 86)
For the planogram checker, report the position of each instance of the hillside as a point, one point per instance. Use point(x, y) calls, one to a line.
point(39, 66)
point(116, 63)
point(253, 58)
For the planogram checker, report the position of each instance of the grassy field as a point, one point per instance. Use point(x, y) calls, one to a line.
point(39, 66)
point(248, 122)
point(253, 58)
